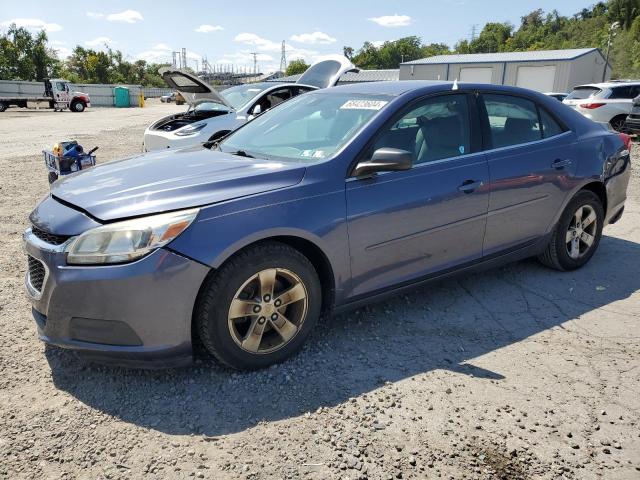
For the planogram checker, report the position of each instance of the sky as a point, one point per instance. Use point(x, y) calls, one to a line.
point(228, 32)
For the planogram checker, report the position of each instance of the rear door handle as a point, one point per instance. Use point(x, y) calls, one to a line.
point(469, 186)
point(560, 164)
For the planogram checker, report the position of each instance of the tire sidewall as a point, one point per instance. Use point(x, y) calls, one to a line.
point(75, 105)
point(225, 289)
point(581, 199)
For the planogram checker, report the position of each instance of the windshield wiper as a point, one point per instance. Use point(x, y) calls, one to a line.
point(242, 153)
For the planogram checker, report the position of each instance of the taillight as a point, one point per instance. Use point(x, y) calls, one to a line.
point(591, 106)
point(626, 139)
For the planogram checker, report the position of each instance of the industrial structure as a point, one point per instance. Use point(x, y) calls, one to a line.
point(542, 70)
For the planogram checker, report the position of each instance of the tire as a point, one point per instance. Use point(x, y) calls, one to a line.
point(52, 177)
point(227, 337)
point(3, 106)
point(77, 107)
point(560, 253)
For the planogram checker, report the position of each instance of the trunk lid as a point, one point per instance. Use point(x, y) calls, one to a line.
point(327, 71)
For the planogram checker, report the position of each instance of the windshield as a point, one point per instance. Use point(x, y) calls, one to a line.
point(210, 107)
point(309, 128)
point(581, 93)
point(240, 95)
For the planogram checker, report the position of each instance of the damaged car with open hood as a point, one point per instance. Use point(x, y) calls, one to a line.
point(212, 114)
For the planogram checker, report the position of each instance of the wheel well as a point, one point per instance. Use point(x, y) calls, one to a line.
point(622, 116)
point(319, 261)
point(600, 190)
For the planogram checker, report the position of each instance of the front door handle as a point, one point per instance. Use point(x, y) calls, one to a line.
point(561, 164)
point(469, 186)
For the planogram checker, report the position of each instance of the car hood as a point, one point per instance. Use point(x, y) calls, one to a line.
point(171, 180)
point(192, 88)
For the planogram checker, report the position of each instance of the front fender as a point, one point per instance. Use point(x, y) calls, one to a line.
point(220, 231)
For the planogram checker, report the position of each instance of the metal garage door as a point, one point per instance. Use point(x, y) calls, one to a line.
point(537, 78)
point(476, 75)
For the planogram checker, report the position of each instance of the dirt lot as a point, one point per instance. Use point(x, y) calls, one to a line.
point(520, 372)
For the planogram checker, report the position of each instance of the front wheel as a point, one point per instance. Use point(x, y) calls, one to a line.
point(577, 234)
point(3, 106)
point(77, 107)
point(260, 307)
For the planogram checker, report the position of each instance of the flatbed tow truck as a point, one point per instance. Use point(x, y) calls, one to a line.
point(57, 96)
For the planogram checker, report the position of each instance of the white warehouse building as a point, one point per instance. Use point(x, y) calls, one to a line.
point(542, 70)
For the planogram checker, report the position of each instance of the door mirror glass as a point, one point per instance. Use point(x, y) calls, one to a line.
point(385, 160)
point(257, 110)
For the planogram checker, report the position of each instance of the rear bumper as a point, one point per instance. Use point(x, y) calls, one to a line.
point(136, 314)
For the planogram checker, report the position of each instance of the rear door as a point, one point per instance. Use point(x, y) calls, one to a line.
point(408, 224)
point(531, 169)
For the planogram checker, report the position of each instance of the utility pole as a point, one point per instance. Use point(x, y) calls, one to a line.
point(614, 26)
point(474, 29)
point(283, 58)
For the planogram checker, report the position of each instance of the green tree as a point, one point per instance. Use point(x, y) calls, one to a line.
point(25, 56)
point(296, 67)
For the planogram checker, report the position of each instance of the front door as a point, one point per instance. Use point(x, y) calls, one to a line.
point(61, 93)
point(408, 224)
point(531, 169)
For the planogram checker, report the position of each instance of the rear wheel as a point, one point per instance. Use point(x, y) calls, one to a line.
point(577, 234)
point(260, 307)
point(3, 106)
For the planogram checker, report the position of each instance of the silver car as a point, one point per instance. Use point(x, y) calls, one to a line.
point(212, 114)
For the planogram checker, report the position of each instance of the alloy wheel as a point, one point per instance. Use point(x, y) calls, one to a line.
point(268, 310)
point(582, 231)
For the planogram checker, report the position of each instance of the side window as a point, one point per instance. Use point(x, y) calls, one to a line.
point(438, 128)
point(512, 120)
point(624, 92)
point(550, 128)
point(272, 99)
point(60, 86)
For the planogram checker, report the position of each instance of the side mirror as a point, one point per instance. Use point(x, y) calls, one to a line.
point(257, 110)
point(385, 160)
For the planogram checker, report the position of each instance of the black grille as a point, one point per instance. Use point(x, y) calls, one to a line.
point(36, 273)
point(49, 237)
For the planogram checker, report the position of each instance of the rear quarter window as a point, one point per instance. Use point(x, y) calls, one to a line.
point(550, 127)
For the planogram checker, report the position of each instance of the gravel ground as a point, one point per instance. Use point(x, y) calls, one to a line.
point(516, 373)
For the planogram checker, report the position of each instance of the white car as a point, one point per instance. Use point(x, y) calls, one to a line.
point(609, 102)
point(212, 114)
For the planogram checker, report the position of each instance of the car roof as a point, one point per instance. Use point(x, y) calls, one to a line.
point(398, 88)
point(608, 84)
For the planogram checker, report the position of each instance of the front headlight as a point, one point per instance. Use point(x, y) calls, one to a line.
point(125, 241)
point(190, 130)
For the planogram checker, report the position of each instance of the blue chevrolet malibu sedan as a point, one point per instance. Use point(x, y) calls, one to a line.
point(331, 200)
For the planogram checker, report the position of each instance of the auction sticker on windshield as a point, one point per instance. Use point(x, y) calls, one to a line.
point(363, 105)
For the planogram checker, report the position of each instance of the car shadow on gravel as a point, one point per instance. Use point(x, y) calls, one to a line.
point(442, 326)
